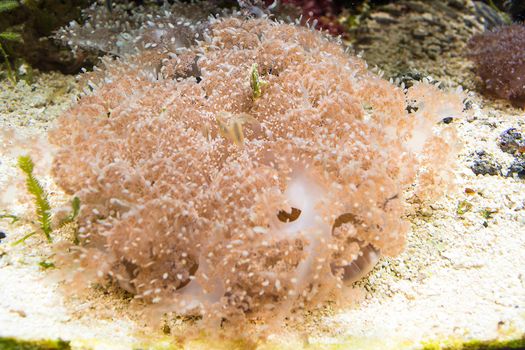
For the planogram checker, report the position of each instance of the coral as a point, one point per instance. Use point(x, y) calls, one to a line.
point(128, 27)
point(324, 12)
point(210, 189)
point(499, 56)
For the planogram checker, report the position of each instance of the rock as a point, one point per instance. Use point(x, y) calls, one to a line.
point(433, 51)
point(517, 169)
point(420, 33)
point(512, 141)
point(484, 164)
point(458, 4)
point(383, 18)
point(492, 17)
point(409, 34)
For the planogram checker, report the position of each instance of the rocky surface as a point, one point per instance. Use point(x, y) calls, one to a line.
point(424, 36)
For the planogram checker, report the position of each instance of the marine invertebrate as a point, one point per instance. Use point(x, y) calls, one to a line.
point(201, 197)
point(123, 28)
point(499, 56)
point(128, 27)
point(323, 12)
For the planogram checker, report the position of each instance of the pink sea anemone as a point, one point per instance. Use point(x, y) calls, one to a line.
point(201, 197)
point(499, 58)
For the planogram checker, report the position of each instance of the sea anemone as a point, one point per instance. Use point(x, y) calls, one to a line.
point(499, 57)
point(322, 12)
point(201, 197)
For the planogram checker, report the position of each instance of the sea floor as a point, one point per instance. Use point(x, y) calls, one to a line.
point(461, 277)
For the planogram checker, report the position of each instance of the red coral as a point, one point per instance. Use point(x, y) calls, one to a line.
point(499, 56)
point(324, 11)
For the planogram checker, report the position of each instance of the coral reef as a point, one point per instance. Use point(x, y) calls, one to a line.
point(202, 197)
point(499, 56)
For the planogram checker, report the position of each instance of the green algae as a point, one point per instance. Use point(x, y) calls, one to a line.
point(351, 343)
point(477, 345)
point(16, 344)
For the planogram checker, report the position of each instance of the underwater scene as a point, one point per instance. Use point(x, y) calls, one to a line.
point(262, 174)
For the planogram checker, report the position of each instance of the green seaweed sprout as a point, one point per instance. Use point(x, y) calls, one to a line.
point(9, 35)
point(356, 14)
point(75, 205)
point(44, 264)
point(463, 207)
point(256, 82)
point(488, 212)
point(13, 218)
point(43, 207)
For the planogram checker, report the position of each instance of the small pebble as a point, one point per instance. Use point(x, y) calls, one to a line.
point(484, 164)
point(511, 141)
point(469, 191)
point(517, 169)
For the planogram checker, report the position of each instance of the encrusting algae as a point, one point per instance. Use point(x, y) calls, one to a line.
point(201, 197)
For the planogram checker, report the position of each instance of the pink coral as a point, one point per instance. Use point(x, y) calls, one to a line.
point(324, 12)
point(200, 198)
point(499, 56)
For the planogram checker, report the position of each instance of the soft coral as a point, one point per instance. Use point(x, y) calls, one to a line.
point(185, 219)
point(499, 56)
point(324, 11)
